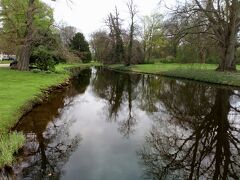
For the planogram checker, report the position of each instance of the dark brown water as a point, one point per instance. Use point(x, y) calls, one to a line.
point(115, 126)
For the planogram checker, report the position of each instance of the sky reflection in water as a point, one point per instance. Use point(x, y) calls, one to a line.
point(109, 125)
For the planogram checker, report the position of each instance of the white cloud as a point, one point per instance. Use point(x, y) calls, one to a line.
point(88, 15)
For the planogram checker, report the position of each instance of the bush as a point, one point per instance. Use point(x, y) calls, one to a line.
point(170, 59)
point(36, 70)
point(86, 57)
point(43, 59)
point(148, 62)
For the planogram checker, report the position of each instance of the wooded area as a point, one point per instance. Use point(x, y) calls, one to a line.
point(191, 32)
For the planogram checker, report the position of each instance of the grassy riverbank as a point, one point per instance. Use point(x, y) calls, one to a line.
point(18, 90)
point(198, 72)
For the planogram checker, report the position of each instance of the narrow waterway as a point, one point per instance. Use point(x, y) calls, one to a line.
point(116, 126)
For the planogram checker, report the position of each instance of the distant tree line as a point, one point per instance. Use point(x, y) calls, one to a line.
point(192, 32)
point(205, 31)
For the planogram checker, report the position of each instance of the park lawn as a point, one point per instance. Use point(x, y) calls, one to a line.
point(18, 90)
point(198, 72)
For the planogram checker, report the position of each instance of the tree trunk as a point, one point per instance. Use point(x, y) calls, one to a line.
point(24, 56)
point(228, 58)
point(228, 47)
point(25, 48)
point(130, 47)
point(203, 55)
point(175, 48)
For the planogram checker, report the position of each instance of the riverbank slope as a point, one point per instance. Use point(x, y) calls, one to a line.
point(197, 72)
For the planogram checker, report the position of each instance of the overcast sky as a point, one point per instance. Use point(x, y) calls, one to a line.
point(88, 15)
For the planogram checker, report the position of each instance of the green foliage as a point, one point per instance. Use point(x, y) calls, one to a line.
point(79, 43)
point(44, 59)
point(212, 59)
point(186, 54)
point(14, 17)
point(148, 62)
point(86, 57)
point(47, 52)
point(81, 47)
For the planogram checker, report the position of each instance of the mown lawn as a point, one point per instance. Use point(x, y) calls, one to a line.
point(199, 72)
point(17, 91)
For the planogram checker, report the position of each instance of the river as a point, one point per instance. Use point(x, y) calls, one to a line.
point(109, 125)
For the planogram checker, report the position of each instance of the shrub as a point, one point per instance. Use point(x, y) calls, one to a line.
point(170, 59)
point(148, 62)
point(43, 59)
point(86, 57)
point(36, 70)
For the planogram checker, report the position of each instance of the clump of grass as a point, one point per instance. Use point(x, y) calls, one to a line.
point(9, 144)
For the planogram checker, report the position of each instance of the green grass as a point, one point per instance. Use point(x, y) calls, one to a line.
point(199, 72)
point(18, 91)
point(62, 68)
point(5, 62)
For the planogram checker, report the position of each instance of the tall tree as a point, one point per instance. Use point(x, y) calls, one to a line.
point(133, 12)
point(223, 17)
point(152, 33)
point(22, 25)
point(67, 33)
point(81, 47)
point(99, 44)
point(114, 24)
point(26, 46)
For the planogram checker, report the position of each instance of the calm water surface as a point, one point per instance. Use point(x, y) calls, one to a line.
point(114, 126)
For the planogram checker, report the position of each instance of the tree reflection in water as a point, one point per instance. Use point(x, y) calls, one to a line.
point(49, 143)
point(119, 91)
point(195, 133)
point(197, 137)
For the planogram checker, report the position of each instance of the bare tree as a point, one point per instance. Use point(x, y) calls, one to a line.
point(67, 33)
point(223, 18)
point(114, 23)
point(133, 12)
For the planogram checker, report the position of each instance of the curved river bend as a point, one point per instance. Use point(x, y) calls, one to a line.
point(116, 126)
